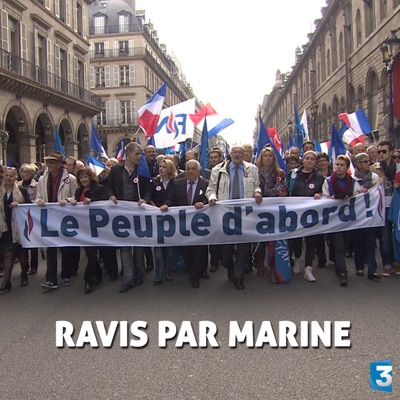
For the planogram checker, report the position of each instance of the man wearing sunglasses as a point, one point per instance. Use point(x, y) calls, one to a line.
point(385, 151)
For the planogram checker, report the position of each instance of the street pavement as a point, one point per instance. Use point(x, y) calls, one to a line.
point(32, 367)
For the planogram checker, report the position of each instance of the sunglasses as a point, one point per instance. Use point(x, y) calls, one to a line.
point(396, 157)
point(382, 151)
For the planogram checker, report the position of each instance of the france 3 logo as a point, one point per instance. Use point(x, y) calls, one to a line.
point(381, 375)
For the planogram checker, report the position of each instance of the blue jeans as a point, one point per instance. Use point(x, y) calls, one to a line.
point(162, 263)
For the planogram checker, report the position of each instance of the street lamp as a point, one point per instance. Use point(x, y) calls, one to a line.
point(4, 140)
point(68, 135)
point(389, 50)
point(21, 126)
point(314, 111)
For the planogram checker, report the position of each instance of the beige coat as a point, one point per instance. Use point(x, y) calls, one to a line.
point(66, 191)
point(17, 196)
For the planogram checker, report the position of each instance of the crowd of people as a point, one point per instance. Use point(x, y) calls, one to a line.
point(180, 182)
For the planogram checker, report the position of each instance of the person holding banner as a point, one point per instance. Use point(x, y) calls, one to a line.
point(306, 181)
point(365, 239)
point(191, 191)
point(272, 180)
point(161, 193)
point(10, 196)
point(235, 179)
point(125, 184)
point(56, 185)
point(340, 185)
point(90, 190)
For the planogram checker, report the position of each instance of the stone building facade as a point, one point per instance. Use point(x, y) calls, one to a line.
point(339, 70)
point(43, 78)
point(127, 65)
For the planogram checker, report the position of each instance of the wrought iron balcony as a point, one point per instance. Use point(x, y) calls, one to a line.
point(103, 123)
point(12, 65)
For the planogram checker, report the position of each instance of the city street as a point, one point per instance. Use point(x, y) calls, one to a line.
point(34, 368)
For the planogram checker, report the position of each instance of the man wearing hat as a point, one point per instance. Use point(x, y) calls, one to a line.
point(56, 185)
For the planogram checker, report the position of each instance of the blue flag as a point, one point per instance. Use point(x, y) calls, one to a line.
point(204, 148)
point(262, 139)
point(300, 133)
point(264, 135)
point(151, 141)
point(95, 165)
point(95, 143)
point(183, 149)
point(57, 143)
point(337, 146)
point(317, 146)
point(142, 168)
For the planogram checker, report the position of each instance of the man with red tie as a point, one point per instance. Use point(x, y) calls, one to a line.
point(191, 191)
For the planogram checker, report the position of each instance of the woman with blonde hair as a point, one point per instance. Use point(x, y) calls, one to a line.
point(272, 180)
point(160, 197)
point(10, 196)
point(27, 173)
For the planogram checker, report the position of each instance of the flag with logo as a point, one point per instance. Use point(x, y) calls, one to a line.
point(175, 125)
point(149, 113)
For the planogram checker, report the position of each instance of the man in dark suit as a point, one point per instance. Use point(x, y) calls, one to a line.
point(124, 183)
point(191, 190)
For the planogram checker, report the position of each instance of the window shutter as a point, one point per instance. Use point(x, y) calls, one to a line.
point(131, 45)
point(24, 45)
point(116, 48)
point(84, 22)
point(117, 112)
point(116, 75)
point(57, 66)
point(68, 12)
point(57, 8)
point(75, 16)
point(132, 75)
point(47, 4)
point(107, 73)
point(133, 112)
point(4, 30)
point(92, 83)
point(108, 113)
point(85, 80)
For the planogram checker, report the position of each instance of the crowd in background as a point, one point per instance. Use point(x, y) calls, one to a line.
point(180, 181)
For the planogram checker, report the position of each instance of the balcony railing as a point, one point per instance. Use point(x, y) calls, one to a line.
point(106, 53)
point(107, 29)
point(112, 123)
point(19, 66)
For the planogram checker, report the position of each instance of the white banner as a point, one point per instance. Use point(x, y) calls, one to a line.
point(103, 223)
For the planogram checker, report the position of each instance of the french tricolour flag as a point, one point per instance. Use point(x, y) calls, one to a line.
point(215, 123)
point(358, 125)
point(149, 114)
point(94, 164)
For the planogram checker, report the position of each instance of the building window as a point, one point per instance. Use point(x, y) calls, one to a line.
point(102, 116)
point(79, 18)
point(100, 77)
point(99, 25)
point(125, 112)
point(99, 49)
point(124, 23)
point(358, 28)
point(369, 12)
point(124, 75)
point(123, 47)
point(383, 9)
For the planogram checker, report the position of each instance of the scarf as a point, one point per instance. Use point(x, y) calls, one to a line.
point(365, 178)
point(343, 187)
point(270, 185)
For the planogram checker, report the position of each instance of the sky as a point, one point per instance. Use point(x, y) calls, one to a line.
point(230, 51)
